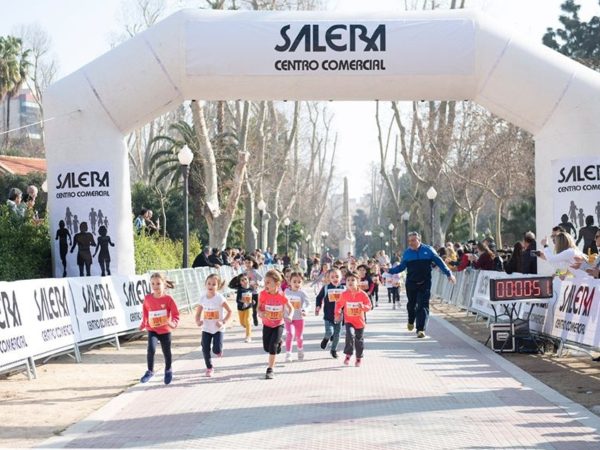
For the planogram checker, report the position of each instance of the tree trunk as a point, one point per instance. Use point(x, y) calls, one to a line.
point(499, 207)
point(250, 231)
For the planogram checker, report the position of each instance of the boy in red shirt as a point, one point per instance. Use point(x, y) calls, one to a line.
point(272, 305)
point(355, 302)
point(160, 315)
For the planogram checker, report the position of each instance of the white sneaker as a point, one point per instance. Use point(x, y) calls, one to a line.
point(288, 357)
point(300, 355)
point(248, 339)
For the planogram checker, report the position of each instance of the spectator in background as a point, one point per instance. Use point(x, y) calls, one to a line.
point(528, 256)
point(151, 227)
point(226, 256)
point(565, 255)
point(483, 259)
point(14, 202)
point(588, 234)
point(515, 263)
point(139, 224)
point(268, 256)
point(202, 259)
point(464, 260)
point(214, 260)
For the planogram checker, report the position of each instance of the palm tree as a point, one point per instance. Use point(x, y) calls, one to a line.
point(14, 68)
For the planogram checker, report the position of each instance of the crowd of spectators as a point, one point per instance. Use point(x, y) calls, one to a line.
point(23, 206)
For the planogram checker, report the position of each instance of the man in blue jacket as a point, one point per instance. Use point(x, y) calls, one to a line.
point(417, 260)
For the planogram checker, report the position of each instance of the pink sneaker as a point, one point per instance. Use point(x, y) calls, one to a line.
point(219, 355)
point(358, 361)
point(347, 360)
point(209, 373)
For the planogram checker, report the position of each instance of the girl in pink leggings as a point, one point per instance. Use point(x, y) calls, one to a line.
point(295, 327)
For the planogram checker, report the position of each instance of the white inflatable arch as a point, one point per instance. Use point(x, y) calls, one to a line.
point(205, 55)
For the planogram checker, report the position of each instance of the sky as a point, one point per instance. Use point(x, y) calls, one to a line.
point(81, 30)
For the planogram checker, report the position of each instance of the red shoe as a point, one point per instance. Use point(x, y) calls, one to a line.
point(357, 363)
point(347, 360)
point(209, 373)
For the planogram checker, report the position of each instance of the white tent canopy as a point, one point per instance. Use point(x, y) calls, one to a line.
point(209, 55)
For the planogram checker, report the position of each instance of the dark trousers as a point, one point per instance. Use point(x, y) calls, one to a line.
point(272, 339)
point(332, 331)
point(217, 346)
point(393, 294)
point(418, 303)
point(255, 314)
point(354, 337)
point(165, 344)
point(376, 293)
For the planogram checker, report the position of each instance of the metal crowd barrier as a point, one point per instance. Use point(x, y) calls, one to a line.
point(189, 287)
point(463, 292)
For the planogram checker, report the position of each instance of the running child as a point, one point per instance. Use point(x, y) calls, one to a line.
point(272, 305)
point(209, 316)
point(365, 282)
point(299, 301)
point(392, 283)
point(326, 299)
point(159, 316)
point(251, 270)
point(246, 299)
point(355, 303)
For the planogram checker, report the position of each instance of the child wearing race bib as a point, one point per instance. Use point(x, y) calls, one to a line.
point(159, 316)
point(327, 298)
point(355, 303)
point(251, 270)
point(272, 305)
point(392, 283)
point(365, 283)
point(209, 316)
point(246, 299)
point(299, 301)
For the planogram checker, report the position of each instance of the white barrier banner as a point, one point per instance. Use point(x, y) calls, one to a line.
point(131, 292)
point(481, 295)
point(16, 324)
point(98, 307)
point(577, 311)
point(54, 324)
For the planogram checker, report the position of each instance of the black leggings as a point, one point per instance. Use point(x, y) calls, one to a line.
point(165, 344)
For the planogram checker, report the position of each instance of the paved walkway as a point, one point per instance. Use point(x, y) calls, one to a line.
point(443, 392)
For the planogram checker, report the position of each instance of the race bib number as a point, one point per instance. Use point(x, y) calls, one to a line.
point(274, 312)
point(364, 285)
point(211, 314)
point(389, 282)
point(247, 298)
point(334, 294)
point(158, 318)
point(295, 301)
point(354, 309)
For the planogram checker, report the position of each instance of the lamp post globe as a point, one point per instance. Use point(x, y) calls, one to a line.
point(261, 210)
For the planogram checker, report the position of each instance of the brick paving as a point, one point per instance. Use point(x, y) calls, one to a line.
point(443, 392)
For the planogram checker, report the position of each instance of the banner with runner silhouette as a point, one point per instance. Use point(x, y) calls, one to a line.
point(577, 199)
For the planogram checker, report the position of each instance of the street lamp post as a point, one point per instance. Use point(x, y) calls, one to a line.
point(391, 228)
point(185, 157)
point(261, 210)
point(324, 236)
point(405, 218)
point(368, 235)
point(286, 222)
point(431, 195)
point(381, 235)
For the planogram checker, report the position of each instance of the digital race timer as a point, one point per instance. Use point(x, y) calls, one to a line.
point(508, 289)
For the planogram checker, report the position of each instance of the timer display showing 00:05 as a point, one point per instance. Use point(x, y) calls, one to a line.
point(520, 288)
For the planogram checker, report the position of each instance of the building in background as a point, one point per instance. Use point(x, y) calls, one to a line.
point(23, 111)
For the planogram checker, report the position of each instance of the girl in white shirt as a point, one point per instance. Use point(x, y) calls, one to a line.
point(210, 315)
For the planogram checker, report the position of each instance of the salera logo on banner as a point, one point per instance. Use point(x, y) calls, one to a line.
point(577, 198)
point(81, 220)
